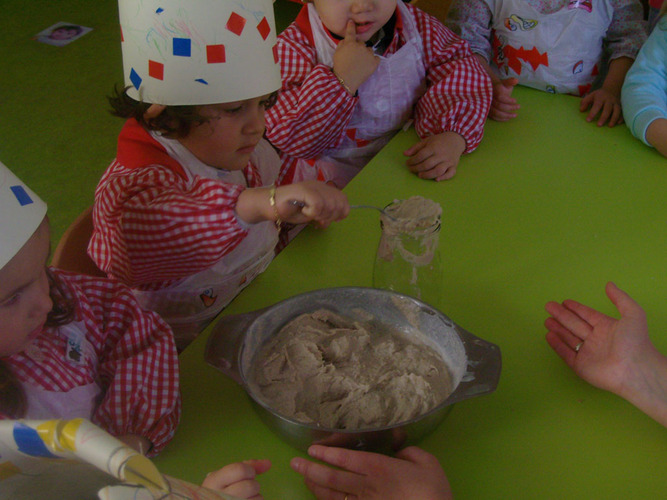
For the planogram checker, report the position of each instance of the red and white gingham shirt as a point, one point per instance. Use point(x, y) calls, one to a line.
point(313, 109)
point(154, 225)
point(137, 361)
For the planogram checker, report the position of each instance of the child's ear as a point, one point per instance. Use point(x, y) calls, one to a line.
point(153, 111)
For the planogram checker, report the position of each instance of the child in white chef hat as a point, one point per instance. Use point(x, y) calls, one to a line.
point(188, 214)
point(76, 346)
point(81, 347)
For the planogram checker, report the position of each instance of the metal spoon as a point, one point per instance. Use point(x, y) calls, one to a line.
point(301, 204)
point(381, 210)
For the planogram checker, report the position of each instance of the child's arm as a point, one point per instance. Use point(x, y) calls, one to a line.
point(471, 20)
point(129, 209)
point(138, 366)
point(612, 354)
point(643, 95)
point(238, 480)
point(313, 108)
point(623, 39)
point(294, 203)
point(606, 101)
point(458, 98)
point(503, 106)
point(656, 135)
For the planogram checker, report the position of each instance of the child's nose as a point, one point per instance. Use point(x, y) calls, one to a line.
point(42, 301)
point(45, 305)
point(359, 6)
point(256, 121)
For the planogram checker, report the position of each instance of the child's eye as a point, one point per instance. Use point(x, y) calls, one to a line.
point(10, 301)
point(233, 111)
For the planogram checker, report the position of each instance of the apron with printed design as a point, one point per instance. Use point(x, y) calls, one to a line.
point(386, 102)
point(189, 305)
point(558, 52)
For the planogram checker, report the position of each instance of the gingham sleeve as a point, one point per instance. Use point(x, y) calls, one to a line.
point(459, 92)
point(138, 363)
point(313, 108)
point(153, 226)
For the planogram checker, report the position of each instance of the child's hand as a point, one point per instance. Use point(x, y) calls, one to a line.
point(605, 103)
point(413, 474)
point(353, 62)
point(238, 480)
point(311, 201)
point(437, 156)
point(503, 106)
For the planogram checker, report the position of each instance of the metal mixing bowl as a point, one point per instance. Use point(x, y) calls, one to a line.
point(474, 363)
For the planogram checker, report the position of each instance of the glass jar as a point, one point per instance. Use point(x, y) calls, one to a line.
point(408, 258)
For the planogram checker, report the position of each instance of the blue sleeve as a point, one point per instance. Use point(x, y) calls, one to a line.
point(644, 94)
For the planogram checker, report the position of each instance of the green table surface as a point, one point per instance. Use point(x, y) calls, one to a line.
point(549, 207)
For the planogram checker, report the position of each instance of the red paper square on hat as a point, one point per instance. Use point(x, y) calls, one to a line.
point(235, 23)
point(215, 54)
point(264, 28)
point(156, 70)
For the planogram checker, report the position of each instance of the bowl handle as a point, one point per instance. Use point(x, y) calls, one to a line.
point(483, 370)
point(225, 341)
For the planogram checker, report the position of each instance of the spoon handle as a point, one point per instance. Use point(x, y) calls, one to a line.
point(374, 208)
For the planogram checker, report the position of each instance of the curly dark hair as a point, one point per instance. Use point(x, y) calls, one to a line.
point(173, 122)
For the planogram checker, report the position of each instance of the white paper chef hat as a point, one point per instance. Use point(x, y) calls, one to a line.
point(178, 52)
point(21, 213)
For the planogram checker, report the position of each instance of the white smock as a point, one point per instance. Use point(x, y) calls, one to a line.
point(79, 402)
point(386, 102)
point(559, 52)
point(190, 304)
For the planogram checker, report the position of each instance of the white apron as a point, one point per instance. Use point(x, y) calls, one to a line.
point(189, 305)
point(79, 402)
point(559, 52)
point(386, 101)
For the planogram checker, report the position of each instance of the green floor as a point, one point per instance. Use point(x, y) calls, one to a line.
point(56, 132)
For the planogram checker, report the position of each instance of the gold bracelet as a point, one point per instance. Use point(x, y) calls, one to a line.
point(340, 80)
point(272, 202)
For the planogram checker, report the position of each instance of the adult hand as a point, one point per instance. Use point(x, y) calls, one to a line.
point(353, 62)
point(437, 156)
point(612, 354)
point(609, 349)
point(238, 479)
point(413, 474)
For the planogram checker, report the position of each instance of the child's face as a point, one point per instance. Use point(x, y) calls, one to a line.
point(63, 34)
point(230, 135)
point(24, 294)
point(368, 15)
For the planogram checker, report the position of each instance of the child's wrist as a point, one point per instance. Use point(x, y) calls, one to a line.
point(343, 84)
point(274, 206)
